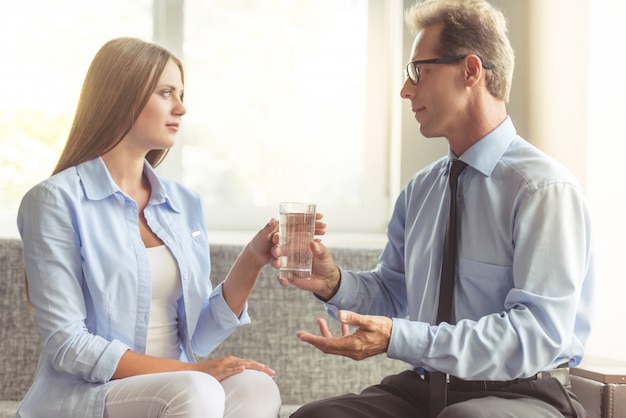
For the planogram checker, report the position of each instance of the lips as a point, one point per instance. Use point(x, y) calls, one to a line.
point(417, 111)
point(173, 126)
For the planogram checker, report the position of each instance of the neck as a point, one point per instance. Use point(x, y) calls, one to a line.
point(125, 170)
point(482, 119)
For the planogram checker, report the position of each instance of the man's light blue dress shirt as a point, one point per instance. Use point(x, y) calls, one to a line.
point(523, 291)
point(90, 285)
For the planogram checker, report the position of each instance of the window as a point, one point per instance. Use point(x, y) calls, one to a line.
point(47, 47)
point(286, 100)
point(277, 97)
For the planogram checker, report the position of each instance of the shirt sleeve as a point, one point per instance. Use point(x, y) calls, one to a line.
point(52, 260)
point(536, 328)
point(217, 322)
point(381, 291)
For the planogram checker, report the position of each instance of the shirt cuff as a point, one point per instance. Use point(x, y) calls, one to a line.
point(346, 288)
point(107, 363)
point(225, 318)
point(409, 340)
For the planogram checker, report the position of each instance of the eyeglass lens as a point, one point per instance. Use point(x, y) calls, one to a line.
point(412, 72)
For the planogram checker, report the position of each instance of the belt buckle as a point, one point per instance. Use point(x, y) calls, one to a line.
point(561, 374)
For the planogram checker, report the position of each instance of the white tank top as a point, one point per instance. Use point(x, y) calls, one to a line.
point(163, 340)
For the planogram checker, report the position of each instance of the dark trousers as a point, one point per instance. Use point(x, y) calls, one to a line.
point(406, 395)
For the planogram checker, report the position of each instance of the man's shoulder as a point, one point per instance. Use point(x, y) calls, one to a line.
point(433, 169)
point(534, 166)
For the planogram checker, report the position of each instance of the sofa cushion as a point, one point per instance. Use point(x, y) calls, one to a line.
point(303, 373)
point(19, 340)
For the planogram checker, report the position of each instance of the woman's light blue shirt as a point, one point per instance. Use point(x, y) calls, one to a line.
point(90, 284)
point(523, 291)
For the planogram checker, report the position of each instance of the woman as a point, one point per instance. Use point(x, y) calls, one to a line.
point(117, 261)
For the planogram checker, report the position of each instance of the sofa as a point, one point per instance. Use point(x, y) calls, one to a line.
point(303, 373)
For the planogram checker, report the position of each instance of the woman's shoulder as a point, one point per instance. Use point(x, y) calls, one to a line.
point(64, 181)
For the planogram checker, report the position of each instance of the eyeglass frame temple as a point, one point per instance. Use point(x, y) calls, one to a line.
point(443, 60)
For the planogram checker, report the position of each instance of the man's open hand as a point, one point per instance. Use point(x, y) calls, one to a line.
point(371, 337)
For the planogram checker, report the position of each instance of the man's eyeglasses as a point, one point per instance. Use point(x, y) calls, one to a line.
point(413, 71)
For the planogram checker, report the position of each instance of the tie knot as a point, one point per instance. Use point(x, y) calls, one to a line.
point(456, 168)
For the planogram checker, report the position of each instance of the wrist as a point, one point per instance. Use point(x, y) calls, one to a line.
point(332, 285)
point(250, 259)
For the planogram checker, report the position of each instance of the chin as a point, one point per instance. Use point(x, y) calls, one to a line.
point(425, 132)
point(430, 133)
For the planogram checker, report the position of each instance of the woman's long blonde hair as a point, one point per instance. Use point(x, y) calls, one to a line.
point(118, 84)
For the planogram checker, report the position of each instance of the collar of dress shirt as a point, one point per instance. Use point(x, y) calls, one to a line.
point(485, 154)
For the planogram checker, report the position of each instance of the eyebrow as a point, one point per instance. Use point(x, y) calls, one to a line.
point(168, 86)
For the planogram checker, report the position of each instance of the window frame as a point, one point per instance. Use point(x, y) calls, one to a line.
point(385, 28)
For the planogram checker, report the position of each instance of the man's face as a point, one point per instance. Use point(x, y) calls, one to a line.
point(436, 98)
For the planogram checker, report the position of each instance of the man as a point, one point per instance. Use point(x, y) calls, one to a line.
point(522, 271)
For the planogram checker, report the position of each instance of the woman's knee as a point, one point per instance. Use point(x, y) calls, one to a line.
point(251, 394)
point(197, 395)
point(162, 395)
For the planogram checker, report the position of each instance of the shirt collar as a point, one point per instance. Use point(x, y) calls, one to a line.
point(485, 154)
point(98, 184)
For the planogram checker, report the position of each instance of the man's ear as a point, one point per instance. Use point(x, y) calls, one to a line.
point(473, 69)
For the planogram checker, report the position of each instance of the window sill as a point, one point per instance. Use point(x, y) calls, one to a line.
point(352, 240)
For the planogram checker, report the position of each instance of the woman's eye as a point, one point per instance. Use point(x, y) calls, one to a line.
point(166, 93)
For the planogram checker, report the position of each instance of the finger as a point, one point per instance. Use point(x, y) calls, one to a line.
point(227, 372)
point(321, 322)
point(305, 336)
point(267, 370)
point(283, 282)
point(270, 229)
point(320, 228)
point(345, 329)
point(352, 318)
point(312, 339)
point(275, 263)
point(324, 344)
point(276, 252)
point(316, 246)
point(255, 365)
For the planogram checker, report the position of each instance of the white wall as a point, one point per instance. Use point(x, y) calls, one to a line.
point(606, 148)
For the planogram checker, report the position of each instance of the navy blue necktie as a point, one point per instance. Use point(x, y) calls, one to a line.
point(438, 386)
point(448, 265)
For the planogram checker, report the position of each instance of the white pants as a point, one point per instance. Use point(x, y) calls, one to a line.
point(251, 394)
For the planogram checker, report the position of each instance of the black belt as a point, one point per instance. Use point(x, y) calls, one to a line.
point(460, 385)
point(439, 401)
point(455, 384)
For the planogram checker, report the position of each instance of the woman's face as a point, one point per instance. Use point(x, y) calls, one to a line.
point(158, 123)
